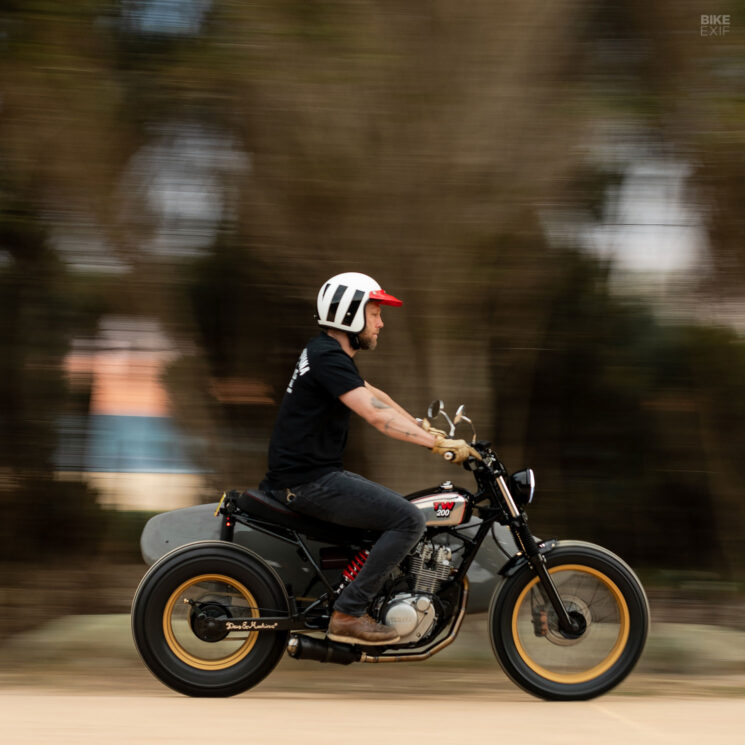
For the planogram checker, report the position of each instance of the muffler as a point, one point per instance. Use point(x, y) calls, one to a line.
point(303, 647)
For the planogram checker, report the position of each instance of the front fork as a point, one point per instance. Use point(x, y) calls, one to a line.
point(524, 538)
point(545, 582)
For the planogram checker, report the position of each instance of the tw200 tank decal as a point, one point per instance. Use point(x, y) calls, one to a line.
point(442, 509)
point(439, 511)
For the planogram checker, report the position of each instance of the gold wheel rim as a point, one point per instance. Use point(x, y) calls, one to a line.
point(198, 662)
point(613, 654)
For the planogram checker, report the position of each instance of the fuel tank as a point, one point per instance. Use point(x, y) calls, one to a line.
point(443, 504)
point(443, 508)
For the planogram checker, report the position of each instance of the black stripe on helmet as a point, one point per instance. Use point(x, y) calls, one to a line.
point(352, 312)
point(338, 294)
point(325, 290)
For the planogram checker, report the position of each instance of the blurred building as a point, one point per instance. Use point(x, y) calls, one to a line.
point(122, 439)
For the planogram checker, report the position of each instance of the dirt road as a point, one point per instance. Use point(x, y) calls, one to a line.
point(90, 688)
point(32, 716)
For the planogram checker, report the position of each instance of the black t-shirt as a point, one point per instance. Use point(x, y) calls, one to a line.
point(310, 433)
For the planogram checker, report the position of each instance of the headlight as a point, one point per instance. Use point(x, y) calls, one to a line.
point(522, 486)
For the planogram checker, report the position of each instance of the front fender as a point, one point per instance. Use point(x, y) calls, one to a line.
point(520, 559)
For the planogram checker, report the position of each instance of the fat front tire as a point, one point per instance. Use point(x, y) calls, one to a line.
point(602, 593)
point(208, 579)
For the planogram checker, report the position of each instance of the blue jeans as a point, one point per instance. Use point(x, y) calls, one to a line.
point(347, 499)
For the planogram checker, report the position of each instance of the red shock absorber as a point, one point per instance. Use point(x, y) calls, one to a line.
point(355, 565)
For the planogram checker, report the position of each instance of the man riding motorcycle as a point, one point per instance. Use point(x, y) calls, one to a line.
point(310, 435)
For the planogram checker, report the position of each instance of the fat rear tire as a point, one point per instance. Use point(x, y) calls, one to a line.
point(233, 582)
point(594, 584)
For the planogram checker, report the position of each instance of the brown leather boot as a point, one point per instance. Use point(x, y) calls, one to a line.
point(359, 630)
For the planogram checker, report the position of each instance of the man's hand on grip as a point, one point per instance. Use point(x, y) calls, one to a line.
point(454, 451)
point(427, 427)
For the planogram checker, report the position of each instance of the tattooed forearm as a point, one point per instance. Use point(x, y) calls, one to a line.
point(378, 404)
point(395, 426)
point(390, 425)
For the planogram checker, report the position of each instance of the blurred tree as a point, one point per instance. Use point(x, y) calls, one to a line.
point(652, 64)
point(41, 516)
point(631, 426)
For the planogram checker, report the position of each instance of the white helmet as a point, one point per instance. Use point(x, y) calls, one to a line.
point(342, 300)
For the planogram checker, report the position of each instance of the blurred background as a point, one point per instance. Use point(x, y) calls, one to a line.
point(554, 190)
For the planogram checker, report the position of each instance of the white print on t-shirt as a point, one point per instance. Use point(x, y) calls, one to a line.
point(301, 368)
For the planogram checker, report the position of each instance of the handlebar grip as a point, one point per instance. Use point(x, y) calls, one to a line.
point(448, 455)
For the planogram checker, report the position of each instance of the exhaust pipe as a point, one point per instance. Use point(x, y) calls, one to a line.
point(303, 647)
point(447, 641)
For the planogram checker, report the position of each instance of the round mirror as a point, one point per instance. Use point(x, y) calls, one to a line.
point(435, 408)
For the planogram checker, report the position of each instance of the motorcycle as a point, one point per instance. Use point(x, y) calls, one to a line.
point(568, 621)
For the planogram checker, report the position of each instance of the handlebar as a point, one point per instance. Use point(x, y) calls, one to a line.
point(437, 408)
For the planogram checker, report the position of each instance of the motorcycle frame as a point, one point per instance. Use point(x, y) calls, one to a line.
point(300, 620)
point(492, 503)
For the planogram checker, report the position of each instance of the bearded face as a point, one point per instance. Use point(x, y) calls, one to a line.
point(373, 323)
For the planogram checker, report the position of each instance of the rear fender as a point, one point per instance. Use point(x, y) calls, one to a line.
point(219, 547)
point(169, 530)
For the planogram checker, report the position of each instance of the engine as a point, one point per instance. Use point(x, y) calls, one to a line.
point(430, 566)
point(414, 614)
